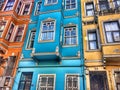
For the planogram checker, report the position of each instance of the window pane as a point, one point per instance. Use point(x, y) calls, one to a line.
point(70, 4)
point(93, 45)
point(46, 82)
point(109, 37)
point(92, 36)
point(116, 36)
point(48, 31)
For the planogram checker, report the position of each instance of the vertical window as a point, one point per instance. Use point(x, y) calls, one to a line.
point(18, 7)
point(70, 36)
point(48, 30)
point(117, 79)
point(26, 9)
point(72, 82)
point(98, 80)
point(92, 40)
point(2, 26)
point(38, 7)
point(89, 9)
point(103, 5)
point(9, 5)
point(1, 4)
point(51, 1)
point(19, 33)
point(31, 39)
point(112, 31)
point(8, 36)
point(46, 82)
point(117, 3)
point(25, 81)
point(70, 4)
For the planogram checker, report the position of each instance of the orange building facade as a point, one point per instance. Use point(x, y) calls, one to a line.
point(14, 19)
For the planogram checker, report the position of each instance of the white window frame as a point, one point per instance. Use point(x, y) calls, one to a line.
point(21, 13)
point(40, 34)
point(4, 27)
point(12, 34)
point(86, 9)
point(27, 45)
point(73, 74)
point(6, 4)
point(76, 36)
point(21, 6)
point(36, 7)
point(22, 32)
point(70, 4)
point(45, 3)
point(54, 75)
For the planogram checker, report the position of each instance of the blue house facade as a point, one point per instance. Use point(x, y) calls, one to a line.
point(52, 56)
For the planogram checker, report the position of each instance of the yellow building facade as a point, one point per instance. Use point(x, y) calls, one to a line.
point(101, 40)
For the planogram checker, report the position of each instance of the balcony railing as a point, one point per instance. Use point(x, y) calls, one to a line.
point(107, 8)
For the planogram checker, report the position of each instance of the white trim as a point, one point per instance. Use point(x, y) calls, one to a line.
point(41, 28)
point(36, 7)
point(54, 75)
point(71, 8)
point(71, 45)
point(12, 6)
point(24, 25)
point(29, 35)
point(11, 33)
point(72, 74)
point(4, 28)
point(17, 6)
point(26, 3)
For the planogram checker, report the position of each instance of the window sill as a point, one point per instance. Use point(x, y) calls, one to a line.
point(96, 50)
point(70, 9)
point(45, 41)
point(70, 45)
point(50, 4)
point(109, 44)
point(88, 16)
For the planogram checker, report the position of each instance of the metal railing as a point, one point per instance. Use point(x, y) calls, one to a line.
point(107, 8)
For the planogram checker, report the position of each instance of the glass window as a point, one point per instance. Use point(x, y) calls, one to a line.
point(103, 5)
point(92, 40)
point(2, 26)
point(89, 9)
point(51, 1)
point(117, 79)
point(9, 5)
point(18, 7)
point(26, 9)
point(98, 80)
point(31, 39)
point(112, 31)
point(19, 33)
point(38, 7)
point(10, 31)
point(48, 30)
point(46, 82)
point(70, 4)
point(117, 3)
point(25, 81)
point(72, 82)
point(70, 36)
